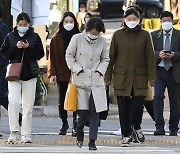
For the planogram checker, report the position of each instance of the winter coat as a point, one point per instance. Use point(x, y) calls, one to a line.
point(89, 56)
point(33, 53)
point(132, 61)
point(56, 61)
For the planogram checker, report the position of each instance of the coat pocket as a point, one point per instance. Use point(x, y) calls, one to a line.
point(79, 79)
point(119, 79)
point(141, 78)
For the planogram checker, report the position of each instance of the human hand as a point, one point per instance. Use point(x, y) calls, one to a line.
point(53, 79)
point(151, 83)
point(169, 55)
point(21, 44)
point(108, 83)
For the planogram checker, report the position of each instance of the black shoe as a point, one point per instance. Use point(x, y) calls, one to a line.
point(173, 133)
point(159, 131)
point(92, 145)
point(79, 143)
point(138, 136)
point(64, 129)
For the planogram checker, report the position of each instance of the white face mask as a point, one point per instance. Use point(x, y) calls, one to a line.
point(92, 37)
point(132, 24)
point(167, 26)
point(68, 26)
point(86, 19)
point(22, 30)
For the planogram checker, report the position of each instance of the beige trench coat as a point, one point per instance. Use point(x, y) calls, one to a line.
point(89, 56)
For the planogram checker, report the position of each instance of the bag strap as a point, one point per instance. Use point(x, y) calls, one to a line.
point(71, 78)
point(3, 45)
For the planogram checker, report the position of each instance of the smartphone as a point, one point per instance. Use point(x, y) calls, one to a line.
point(167, 51)
point(25, 41)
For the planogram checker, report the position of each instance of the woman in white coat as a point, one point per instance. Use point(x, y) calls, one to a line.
point(88, 58)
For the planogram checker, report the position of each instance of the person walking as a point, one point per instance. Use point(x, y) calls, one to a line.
point(22, 41)
point(4, 30)
point(167, 52)
point(57, 67)
point(132, 65)
point(87, 57)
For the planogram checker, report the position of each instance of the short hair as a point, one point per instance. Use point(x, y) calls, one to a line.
point(167, 14)
point(95, 23)
point(23, 16)
point(1, 11)
point(131, 11)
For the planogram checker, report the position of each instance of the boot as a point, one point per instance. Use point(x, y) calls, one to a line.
point(64, 128)
point(92, 145)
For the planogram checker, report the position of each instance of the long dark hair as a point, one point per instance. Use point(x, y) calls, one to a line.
point(67, 35)
point(66, 14)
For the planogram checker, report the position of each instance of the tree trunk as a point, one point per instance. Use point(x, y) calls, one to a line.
point(7, 17)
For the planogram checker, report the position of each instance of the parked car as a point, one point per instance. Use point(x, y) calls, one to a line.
point(113, 8)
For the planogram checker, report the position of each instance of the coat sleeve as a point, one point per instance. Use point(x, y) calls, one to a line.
point(150, 58)
point(72, 64)
point(112, 55)
point(104, 61)
point(52, 58)
point(37, 52)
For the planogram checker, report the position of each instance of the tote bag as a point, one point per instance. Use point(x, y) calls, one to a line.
point(70, 103)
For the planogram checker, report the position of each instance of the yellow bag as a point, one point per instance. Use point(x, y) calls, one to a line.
point(70, 102)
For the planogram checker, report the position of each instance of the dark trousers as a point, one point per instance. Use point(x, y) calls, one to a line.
point(4, 91)
point(166, 79)
point(130, 107)
point(93, 118)
point(137, 119)
point(62, 86)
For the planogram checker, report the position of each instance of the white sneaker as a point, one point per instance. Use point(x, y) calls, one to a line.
point(14, 136)
point(26, 139)
point(118, 132)
point(126, 142)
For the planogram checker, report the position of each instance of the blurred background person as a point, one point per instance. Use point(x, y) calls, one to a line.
point(87, 57)
point(57, 67)
point(86, 19)
point(81, 14)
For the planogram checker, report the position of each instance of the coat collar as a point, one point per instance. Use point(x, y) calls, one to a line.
point(88, 39)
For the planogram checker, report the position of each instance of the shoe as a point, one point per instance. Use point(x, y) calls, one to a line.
point(1, 135)
point(74, 132)
point(138, 136)
point(26, 139)
point(126, 142)
point(79, 143)
point(92, 145)
point(14, 136)
point(173, 133)
point(64, 129)
point(159, 131)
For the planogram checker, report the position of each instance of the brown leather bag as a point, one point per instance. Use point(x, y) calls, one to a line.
point(14, 70)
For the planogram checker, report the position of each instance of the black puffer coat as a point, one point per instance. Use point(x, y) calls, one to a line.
point(33, 53)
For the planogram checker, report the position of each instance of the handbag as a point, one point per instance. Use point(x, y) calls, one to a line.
point(14, 70)
point(70, 103)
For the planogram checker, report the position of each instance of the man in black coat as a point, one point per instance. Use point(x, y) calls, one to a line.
point(167, 50)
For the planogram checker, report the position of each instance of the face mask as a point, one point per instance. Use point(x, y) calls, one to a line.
point(132, 24)
point(22, 29)
point(92, 37)
point(82, 9)
point(167, 26)
point(68, 26)
point(86, 19)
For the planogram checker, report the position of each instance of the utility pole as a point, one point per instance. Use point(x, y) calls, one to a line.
point(7, 17)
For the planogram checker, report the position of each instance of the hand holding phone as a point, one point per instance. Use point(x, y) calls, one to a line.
point(167, 51)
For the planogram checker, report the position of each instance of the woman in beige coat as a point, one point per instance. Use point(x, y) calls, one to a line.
point(87, 57)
